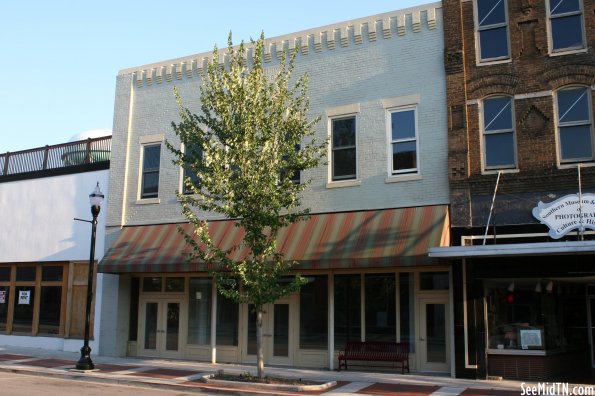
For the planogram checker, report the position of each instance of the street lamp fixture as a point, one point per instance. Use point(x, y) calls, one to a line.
point(95, 198)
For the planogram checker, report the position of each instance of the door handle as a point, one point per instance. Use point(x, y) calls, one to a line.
point(422, 339)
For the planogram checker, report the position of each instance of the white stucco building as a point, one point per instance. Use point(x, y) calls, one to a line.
point(44, 252)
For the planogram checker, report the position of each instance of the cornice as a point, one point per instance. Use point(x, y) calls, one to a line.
point(326, 38)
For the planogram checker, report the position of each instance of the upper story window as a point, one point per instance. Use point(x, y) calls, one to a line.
point(575, 124)
point(343, 148)
point(498, 133)
point(294, 175)
point(150, 172)
point(403, 141)
point(193, 151)
point(566, 25)
point(492, 30)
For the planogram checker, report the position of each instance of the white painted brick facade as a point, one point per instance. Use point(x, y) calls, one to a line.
point(363, 68)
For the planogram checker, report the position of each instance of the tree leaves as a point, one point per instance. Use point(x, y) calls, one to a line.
point(247, 130)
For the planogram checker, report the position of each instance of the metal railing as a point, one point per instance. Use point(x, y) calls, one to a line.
point(57, 156)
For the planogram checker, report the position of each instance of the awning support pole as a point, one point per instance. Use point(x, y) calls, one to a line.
point(492, 207)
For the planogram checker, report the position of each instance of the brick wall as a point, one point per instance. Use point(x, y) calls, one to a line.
point(531, 76)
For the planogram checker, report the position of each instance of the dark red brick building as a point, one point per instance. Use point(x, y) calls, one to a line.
point(520, 80)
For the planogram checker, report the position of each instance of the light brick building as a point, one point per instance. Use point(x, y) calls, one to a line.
point(379, 79)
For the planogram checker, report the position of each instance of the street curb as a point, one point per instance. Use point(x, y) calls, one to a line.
point(143, 383)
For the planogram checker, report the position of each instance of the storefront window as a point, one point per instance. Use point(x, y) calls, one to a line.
point(133, 314)
point(380, 307)
point(173, 285)
point(4, 290)
point(35, 293)
point(25, 274)
point(347, 309)
point(50, 302)
point(314, 313)
point(406, 309)
point(4, 274)
point(433, 281)
point(3, 307)
point(52, 273)
point(152, 284)
point(199, 311)
point(535, 314)
point(22, 321)
point(49, 309)
point(227, 321)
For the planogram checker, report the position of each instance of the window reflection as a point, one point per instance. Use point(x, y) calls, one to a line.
point(347, 309)
point(380, 307)
point(314, 313)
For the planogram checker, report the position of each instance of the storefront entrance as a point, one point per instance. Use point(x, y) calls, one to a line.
point(160, 327)
point(278, 327)
point(433, 334)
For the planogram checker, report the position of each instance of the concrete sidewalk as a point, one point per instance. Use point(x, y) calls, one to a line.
point(187, 376)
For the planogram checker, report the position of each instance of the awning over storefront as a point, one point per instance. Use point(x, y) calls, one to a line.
point(378, 238)
point(517, 249)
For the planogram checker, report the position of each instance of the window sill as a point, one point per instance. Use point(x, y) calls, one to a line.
point(402, 178)
point(148, 201)
point(343, 183)
point(575, 165)
point(197, 197)
point(495, 171)
point(568, 52)
point(493, 62)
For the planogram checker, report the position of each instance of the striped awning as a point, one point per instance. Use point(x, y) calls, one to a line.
point(363, 239)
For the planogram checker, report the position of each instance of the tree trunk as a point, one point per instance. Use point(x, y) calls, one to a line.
point(259, 353)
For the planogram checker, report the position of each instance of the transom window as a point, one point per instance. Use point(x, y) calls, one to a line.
point(343, 148)
point(575, 125)
point(566, 25)
point(498, 133)
point(492, 30)
point(403, 141)
point(150, 171)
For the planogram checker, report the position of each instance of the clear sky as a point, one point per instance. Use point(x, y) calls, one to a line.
point(59, 59)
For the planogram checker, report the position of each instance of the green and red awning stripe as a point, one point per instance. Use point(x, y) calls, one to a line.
point(362, 239)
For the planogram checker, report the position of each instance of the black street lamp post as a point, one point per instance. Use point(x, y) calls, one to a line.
point(95, 198)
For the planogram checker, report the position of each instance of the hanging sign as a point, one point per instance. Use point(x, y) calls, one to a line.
point(566, 214)
point(24, 297)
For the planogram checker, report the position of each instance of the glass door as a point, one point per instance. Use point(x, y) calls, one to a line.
point(276, 338)
point(434, 336)
point(280, 336)
point(160, 328)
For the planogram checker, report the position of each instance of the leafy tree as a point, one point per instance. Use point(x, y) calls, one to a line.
point(245, 147)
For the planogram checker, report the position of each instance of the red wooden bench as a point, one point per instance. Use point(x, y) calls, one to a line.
point(382, 351)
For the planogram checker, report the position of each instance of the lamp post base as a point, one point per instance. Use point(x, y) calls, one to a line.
point(85, 362)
